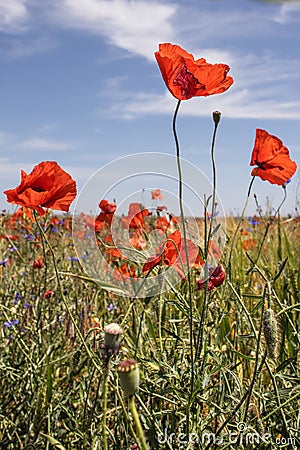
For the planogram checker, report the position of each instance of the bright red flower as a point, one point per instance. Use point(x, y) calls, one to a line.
point(249, 244)
point(48, 293)
point(157, 195)
point(47, 186)
point(172, 253)
point(136, 216)
point(124, 272)
point(37, 263)
point(272, 159)
point(215, 279)
point(107, 207)
point(186, 77)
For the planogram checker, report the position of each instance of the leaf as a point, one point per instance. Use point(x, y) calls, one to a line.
point(53, 441)
point(107, 286)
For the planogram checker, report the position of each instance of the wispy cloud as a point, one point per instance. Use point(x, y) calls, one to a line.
point(13, 16)
point(37, 143)
point(130, 25)
point(288, 12)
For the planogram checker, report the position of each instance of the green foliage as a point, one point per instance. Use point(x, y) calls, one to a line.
point(50, 393)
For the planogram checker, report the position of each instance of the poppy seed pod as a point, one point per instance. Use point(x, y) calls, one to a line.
point(129, 375)
point(112, 338)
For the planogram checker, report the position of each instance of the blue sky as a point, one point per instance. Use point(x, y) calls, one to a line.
point(79, 85)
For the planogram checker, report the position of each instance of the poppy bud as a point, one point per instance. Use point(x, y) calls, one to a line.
point(129, 376)
point(112, 338)
point(216, 117)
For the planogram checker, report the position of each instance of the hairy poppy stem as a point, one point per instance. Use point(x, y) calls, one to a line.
point(199, 342)
point(191, 328)
point(137, 422)
point(104, 406)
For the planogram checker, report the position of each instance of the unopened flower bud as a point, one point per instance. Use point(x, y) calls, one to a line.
point(216, 117)
point(112, 338)
point(129, 375)
point(270, 330)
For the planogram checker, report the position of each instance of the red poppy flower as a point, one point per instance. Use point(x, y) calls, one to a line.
point(272, 159)
point(186, 77)
point(172, 253)
point(136, 216)
point(47, 186)
point(107, 207)
point(249, 244)
point(157, 195)
point(37, 263)
point(215, 279)
point(48, 293)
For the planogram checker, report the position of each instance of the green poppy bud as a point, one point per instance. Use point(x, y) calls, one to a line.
point(129, 375)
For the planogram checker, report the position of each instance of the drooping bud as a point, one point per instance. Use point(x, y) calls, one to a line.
point(129, 375)
point(270, 331)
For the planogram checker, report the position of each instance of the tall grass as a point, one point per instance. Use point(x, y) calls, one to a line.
point(246, 377)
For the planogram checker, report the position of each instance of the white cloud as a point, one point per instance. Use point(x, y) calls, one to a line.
point(45, 144)
point(287, 11)
point(13, 15)
point(136, 26)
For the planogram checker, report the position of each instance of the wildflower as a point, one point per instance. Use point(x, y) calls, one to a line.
point(172, 253)
point(253, 221)
point(11, 323)
point(106, 215)
point(272, 159)
point(216, 278)
point(249, 244)
point(136, 215)
point(5, 262)
point(186, 77)
point(47, 186)
point(129, 375)
point(37, 263)
point(48, 293)
point(156, 195)
point(111, 307)
point(72, 258)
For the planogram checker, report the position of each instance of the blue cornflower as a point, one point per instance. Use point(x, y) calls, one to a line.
point(111, 307)
point(30, 237)
point(253, 221)
point(4, 262)
point(72, 258)
point(11, 323)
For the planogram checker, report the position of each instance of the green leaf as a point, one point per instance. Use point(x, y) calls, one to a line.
point(107, 286)
point(53, 441)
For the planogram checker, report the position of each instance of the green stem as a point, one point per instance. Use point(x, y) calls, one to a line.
point(137, 422)
point(104, 406)
point(207, 237)
point(191, 339)
point(62, 293)
point(240, 221)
